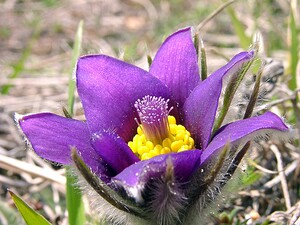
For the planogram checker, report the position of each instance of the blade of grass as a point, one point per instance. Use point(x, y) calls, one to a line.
point(18, 67)
point(239, 29)
point(294, 46)
point(30, 216)
point(212, 15)
point(293, 42)
point(75, 56)
point(75, 204)
point(10, 215)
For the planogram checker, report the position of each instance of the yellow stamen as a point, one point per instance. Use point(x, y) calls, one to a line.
point(178, 140)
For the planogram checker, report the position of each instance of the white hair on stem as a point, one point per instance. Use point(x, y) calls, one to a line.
point(101, 208)
point(216, 193)
point(167, 201)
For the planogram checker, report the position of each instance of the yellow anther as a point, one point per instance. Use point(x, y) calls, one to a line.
point(176, 145)
point(179, 140)
point(171, 120)
point(167, 143)
point(142, 150)
point(165, 150)
point(136, 138)
point(139, 130)
point(132, 145)
point(180, 127)
point(186, 139)
point(155, 151)
point(145, 156)
point(184, 148)
point(149, 145)
point(142, 139)
point(157, 148)
point(173, 129)
point(191, 142)
point(152, 153)
point(180, 135)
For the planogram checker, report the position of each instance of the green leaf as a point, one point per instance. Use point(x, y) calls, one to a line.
point(250, 176)
point(266, 222)
point(75, 204)
point(30, 216)
point(232, 214)
point(75, 56)
point(294, 47)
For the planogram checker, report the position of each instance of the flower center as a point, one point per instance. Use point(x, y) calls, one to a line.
point(158, 132)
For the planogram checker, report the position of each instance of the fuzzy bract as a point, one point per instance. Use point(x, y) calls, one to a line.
point(167, 188)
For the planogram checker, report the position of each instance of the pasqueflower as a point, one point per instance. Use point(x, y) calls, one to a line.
point(147, 144)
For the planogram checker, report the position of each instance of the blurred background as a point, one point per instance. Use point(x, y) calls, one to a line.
point(36, 41)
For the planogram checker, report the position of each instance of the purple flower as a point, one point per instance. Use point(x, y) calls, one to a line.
point(126, 106)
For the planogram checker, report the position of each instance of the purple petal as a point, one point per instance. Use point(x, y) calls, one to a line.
point(243, 131)
point(52, 136)
point(137, 175)
point(108, 88)
point(176, 65)
point(201, 106)
point(114, 151)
